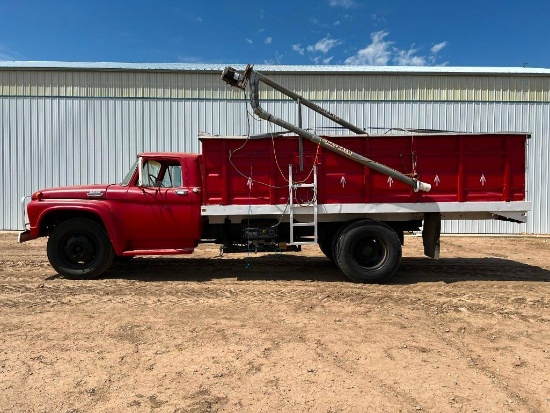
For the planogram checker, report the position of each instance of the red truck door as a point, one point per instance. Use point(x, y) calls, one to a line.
point(163, 212)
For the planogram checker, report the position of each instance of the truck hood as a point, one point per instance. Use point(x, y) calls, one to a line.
point(97, 191)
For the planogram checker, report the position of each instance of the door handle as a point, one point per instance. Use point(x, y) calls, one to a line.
point(181, 192)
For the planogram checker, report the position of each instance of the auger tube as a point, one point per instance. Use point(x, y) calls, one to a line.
point(250, 79)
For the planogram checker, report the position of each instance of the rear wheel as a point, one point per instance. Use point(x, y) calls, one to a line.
point(368, 252)
point(326, 246)
point(80, 249)
point(328, 238)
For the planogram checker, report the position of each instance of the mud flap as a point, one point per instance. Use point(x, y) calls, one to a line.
point(431, 232)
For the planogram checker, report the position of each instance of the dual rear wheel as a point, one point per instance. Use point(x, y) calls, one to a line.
point(365, 251)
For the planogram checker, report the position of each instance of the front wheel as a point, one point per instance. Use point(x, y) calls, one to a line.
point(368, 252)
point(80, 249)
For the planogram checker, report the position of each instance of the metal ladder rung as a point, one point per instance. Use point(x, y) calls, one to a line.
point(304, 185)
point(304, 224)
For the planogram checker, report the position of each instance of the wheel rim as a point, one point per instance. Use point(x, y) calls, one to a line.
point(79, 250)
point(370, 252)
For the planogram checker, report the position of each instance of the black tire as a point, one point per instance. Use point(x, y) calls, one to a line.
point(327, 240)
point(368, 252)
point(326, 246)
point(80, 249)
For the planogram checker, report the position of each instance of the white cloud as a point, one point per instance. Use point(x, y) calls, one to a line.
point(346, 4)
point(298, 48)
point(249, 41)
point(319, 60)
point(318, 52)
point(381, 52)
point(324, 45)
point(268, 40)
point(276, 60)
point(436, 48)
point(407, 58)
point(378, 53)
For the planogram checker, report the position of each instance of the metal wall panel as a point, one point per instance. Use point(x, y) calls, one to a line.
point(65, 141)
point(407, 87)
point(326, 87)
point(62, 128)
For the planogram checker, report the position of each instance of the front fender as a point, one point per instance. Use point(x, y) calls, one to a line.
point(46, 211)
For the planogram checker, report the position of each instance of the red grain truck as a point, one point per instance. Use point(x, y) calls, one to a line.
point(280, 191)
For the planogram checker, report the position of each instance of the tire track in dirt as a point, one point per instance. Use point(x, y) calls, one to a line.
point(512, 388)
point(468, 354)
point(506, 303)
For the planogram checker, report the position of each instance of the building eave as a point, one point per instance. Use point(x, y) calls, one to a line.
point(282, 69)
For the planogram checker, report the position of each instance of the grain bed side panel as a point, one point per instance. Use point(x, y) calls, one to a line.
point(460, 168)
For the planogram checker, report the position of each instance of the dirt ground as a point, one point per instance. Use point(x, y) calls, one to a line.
point(279, 333)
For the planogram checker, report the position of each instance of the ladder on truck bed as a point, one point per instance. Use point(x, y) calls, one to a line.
point(307, 210)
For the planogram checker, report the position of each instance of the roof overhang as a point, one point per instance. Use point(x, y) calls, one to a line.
point(286, 69)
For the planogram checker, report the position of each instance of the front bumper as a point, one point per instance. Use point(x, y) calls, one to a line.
point(24, 236)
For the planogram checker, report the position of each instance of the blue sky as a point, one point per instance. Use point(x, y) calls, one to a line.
point(375, 32)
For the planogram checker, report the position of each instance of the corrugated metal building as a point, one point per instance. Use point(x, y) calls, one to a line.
point(74, 123)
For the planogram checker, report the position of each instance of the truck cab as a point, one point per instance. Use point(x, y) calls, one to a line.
point(155, 210)
point(161, 212)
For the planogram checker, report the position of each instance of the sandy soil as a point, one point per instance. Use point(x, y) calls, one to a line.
point(279, 333)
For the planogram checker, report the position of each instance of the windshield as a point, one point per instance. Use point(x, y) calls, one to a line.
point(128, 177)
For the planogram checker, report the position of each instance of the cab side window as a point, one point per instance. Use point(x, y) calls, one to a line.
point(172, 177)
point(162, 174)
